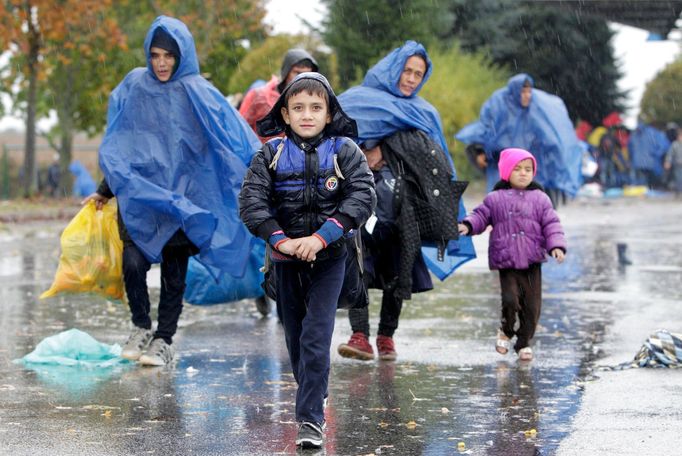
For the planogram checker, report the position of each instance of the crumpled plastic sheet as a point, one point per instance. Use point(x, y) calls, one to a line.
point(74, 348)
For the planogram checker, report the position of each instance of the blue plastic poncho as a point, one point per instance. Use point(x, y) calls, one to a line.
point(543, 128)
point(202, 290)
point(380, 109)
point(83, 184)
point(647, 147)
point(175, 154)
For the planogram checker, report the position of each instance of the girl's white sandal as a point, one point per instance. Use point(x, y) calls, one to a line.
point(503, 343)
point(526, 354)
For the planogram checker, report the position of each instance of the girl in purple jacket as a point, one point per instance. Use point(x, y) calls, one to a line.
point(525, 228)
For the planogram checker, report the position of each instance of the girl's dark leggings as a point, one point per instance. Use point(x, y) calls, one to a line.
point(522, 297)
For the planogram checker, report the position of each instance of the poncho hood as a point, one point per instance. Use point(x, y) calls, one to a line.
point(182, 36)
point(514, 87)
point(380, 109)
point(385, 75)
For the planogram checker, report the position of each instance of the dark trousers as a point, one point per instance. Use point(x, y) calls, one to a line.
point(388, 318)
point(522, 296)
point(381, 270)
point(173, 272)
point(307, 294)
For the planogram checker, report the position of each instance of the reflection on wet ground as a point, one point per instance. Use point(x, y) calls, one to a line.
point(232, 392)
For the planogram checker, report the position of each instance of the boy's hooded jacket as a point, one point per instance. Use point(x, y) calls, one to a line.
point(311, 180)
point(525, 226)
point(175, 154)
point(543, 127)
point(380, 110)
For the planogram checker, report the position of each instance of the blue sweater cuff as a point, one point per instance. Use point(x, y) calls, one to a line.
point(276, 237)
point(330, 231)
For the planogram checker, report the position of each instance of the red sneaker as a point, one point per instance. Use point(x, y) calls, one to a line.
point(386, 348)
point(358, 347)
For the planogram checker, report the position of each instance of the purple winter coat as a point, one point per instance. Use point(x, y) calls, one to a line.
point(525, 227)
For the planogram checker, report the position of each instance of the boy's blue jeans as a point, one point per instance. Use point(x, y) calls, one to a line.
point(307, 294)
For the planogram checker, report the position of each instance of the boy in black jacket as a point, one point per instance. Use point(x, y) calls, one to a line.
point(302, 194)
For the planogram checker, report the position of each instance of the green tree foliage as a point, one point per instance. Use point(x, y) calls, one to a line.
point(71, 54)
point(219, 28)
point(662, 99)
point(55, 52)
point(567, 54)
point(265, 60)
point(458, 87)
point(358, 30)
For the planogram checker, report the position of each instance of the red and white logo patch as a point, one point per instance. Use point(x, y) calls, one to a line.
point(331, 183)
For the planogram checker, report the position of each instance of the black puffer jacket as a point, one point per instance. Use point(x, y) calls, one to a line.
point(285, 198)
point(426, 199)
point(295, 185)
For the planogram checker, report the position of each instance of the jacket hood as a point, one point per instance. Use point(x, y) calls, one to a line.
point(341, 125)
point(291, 58)
point(515, 84)
point(385, 75)
point(189, 64)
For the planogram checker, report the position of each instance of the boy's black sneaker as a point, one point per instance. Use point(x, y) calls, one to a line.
point(309, 435)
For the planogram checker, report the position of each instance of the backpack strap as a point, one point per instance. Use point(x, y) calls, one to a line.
point(337, 168)
point(278, 153)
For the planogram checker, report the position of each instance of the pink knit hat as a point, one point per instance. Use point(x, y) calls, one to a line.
point(510, 157)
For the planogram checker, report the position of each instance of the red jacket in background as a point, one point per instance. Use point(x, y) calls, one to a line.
point(258, 102)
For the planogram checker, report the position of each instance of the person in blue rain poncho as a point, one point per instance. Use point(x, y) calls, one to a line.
point(647, 147)
point(83, 183)
point(397, 126)
point(174, 155)
point(522, 116)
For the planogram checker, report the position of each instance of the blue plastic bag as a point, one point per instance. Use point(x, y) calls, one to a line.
point(202, 289)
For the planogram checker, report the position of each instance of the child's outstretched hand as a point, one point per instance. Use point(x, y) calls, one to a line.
point(558, 254)
point(463, 229)
point(308, 248)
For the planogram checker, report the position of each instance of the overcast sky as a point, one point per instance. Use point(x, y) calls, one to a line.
point(641, 59)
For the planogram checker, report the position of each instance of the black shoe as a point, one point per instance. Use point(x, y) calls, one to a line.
point(263, 305)
point(309, 435)
point(623, 258)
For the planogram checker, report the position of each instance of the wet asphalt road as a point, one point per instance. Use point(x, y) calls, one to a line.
point(232, 392)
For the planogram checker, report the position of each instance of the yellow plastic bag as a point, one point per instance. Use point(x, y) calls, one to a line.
point(92, 255)
point(635, 190)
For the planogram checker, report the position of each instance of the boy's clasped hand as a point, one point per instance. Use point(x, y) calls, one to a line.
point(304, 248)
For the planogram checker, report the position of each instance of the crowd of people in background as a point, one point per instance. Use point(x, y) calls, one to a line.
point(617, 157)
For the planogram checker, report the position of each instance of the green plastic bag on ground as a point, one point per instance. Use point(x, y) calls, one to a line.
point(74, 348)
